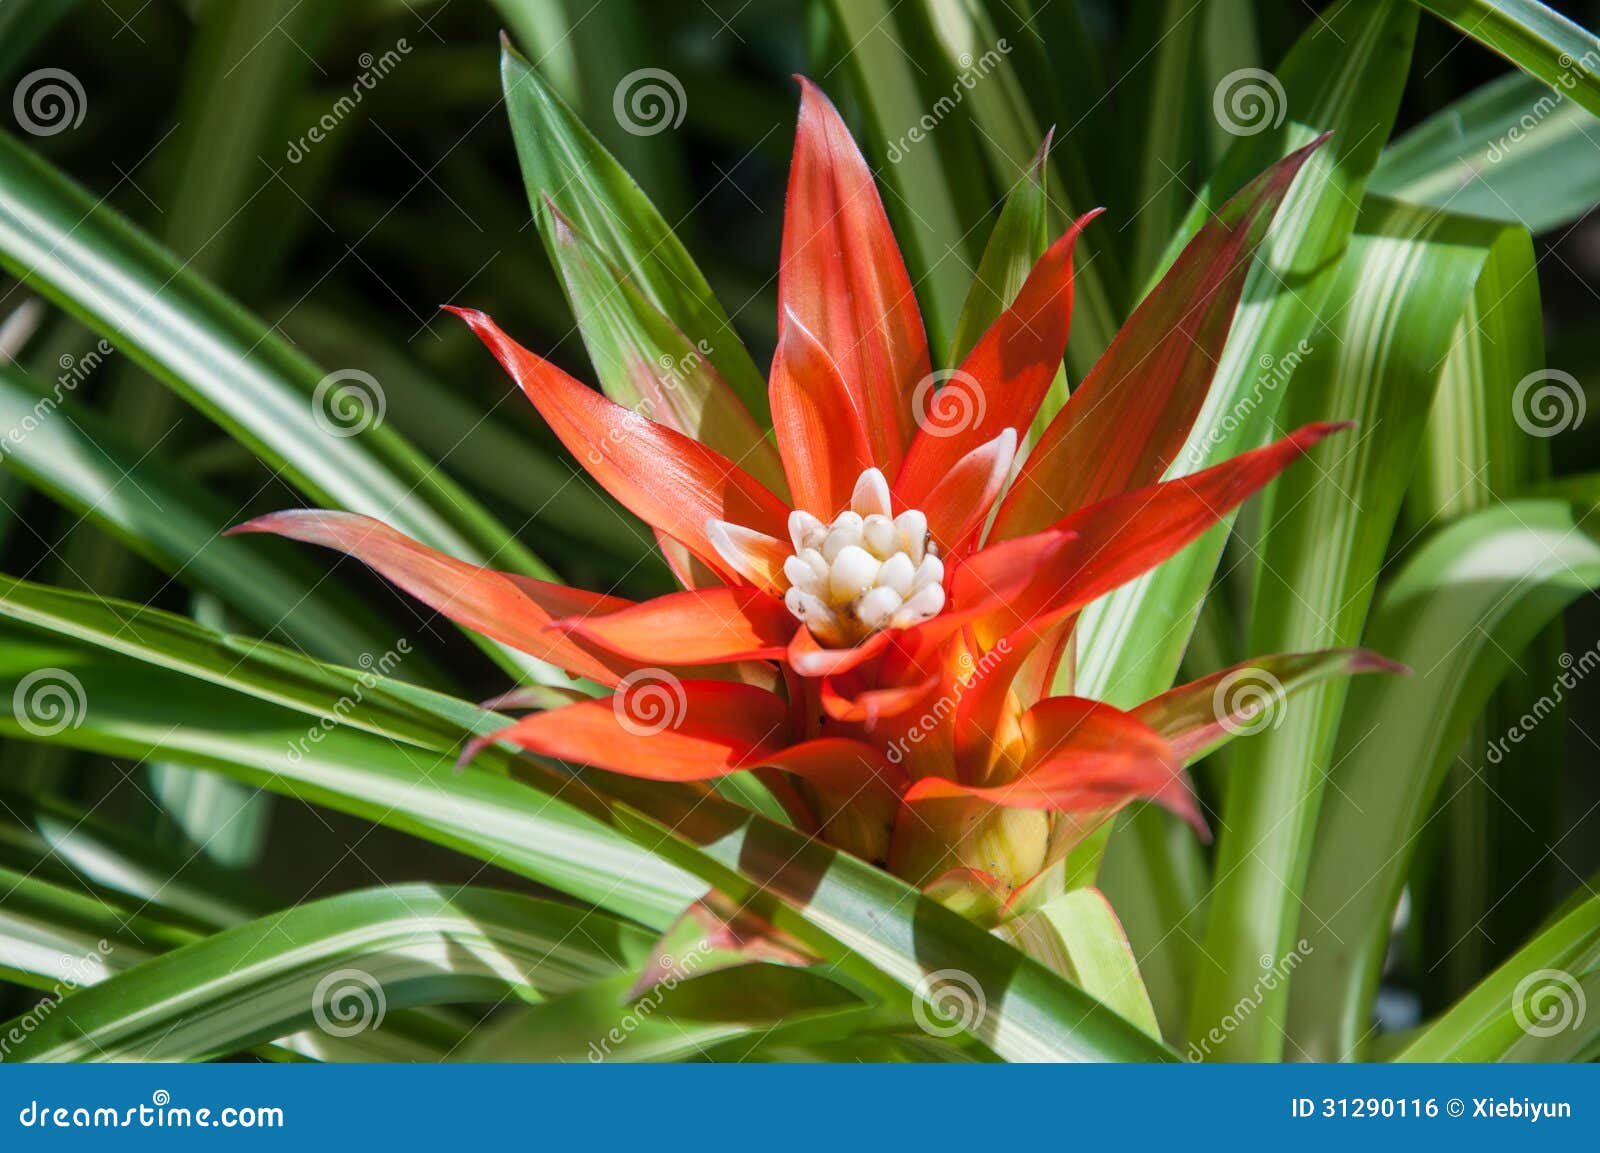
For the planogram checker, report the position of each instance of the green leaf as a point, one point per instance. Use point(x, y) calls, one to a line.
point(1535, 1007)
point(354, 697)
point(1399, 300)
point(77, 251)
point(53, 936)
point(1344, 75)
point(1512, 150)
point(1500, 819)
point(647, 364)
point(1458, 611)
point(484, 448)
point(684, 1016)
point(1077, 934)
point(342, 963)
point(1019, 238)
point(160, 513)
point(562, 160)
point(142, 711)
point(1166, 119)
point(921, 180)
point(883, 936)
point(1537, 40)
point(80, 851)
point(594, 49)
point(57, 940)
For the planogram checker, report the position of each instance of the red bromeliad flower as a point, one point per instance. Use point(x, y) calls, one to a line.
point(877, 607)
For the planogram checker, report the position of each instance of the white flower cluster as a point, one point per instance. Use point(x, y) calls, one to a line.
point(866, 571)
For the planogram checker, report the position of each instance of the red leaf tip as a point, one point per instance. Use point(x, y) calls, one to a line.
point(471, 749)
point(1367, 661)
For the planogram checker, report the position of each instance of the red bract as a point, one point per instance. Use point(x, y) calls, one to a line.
point(882, 651)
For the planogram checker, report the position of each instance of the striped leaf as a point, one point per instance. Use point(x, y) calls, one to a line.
point(1541, 42)
point(1535, 1007)
point(1458, 612)
point(342, 964)
point(563, 161)
point(1343, 76)
point(1513, 150)
point(1401, 294)
point(139, 498)
point(834, 903)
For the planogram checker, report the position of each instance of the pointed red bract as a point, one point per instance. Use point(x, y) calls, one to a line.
point(673, 483)
point(845, 768)
point(512, 609)
point(1115, 540)
point(821, 438)
point(1197, 717)
point(702, 626)
point(1124, 425)
point(1082, 757)
point(658, 728)
point(843, 278)
point(1004, 378)
point(677, 385)
point(960, 502)
point(867, 706)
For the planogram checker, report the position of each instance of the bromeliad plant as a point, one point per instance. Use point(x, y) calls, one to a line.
point(919, 758)
point(878, 604)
